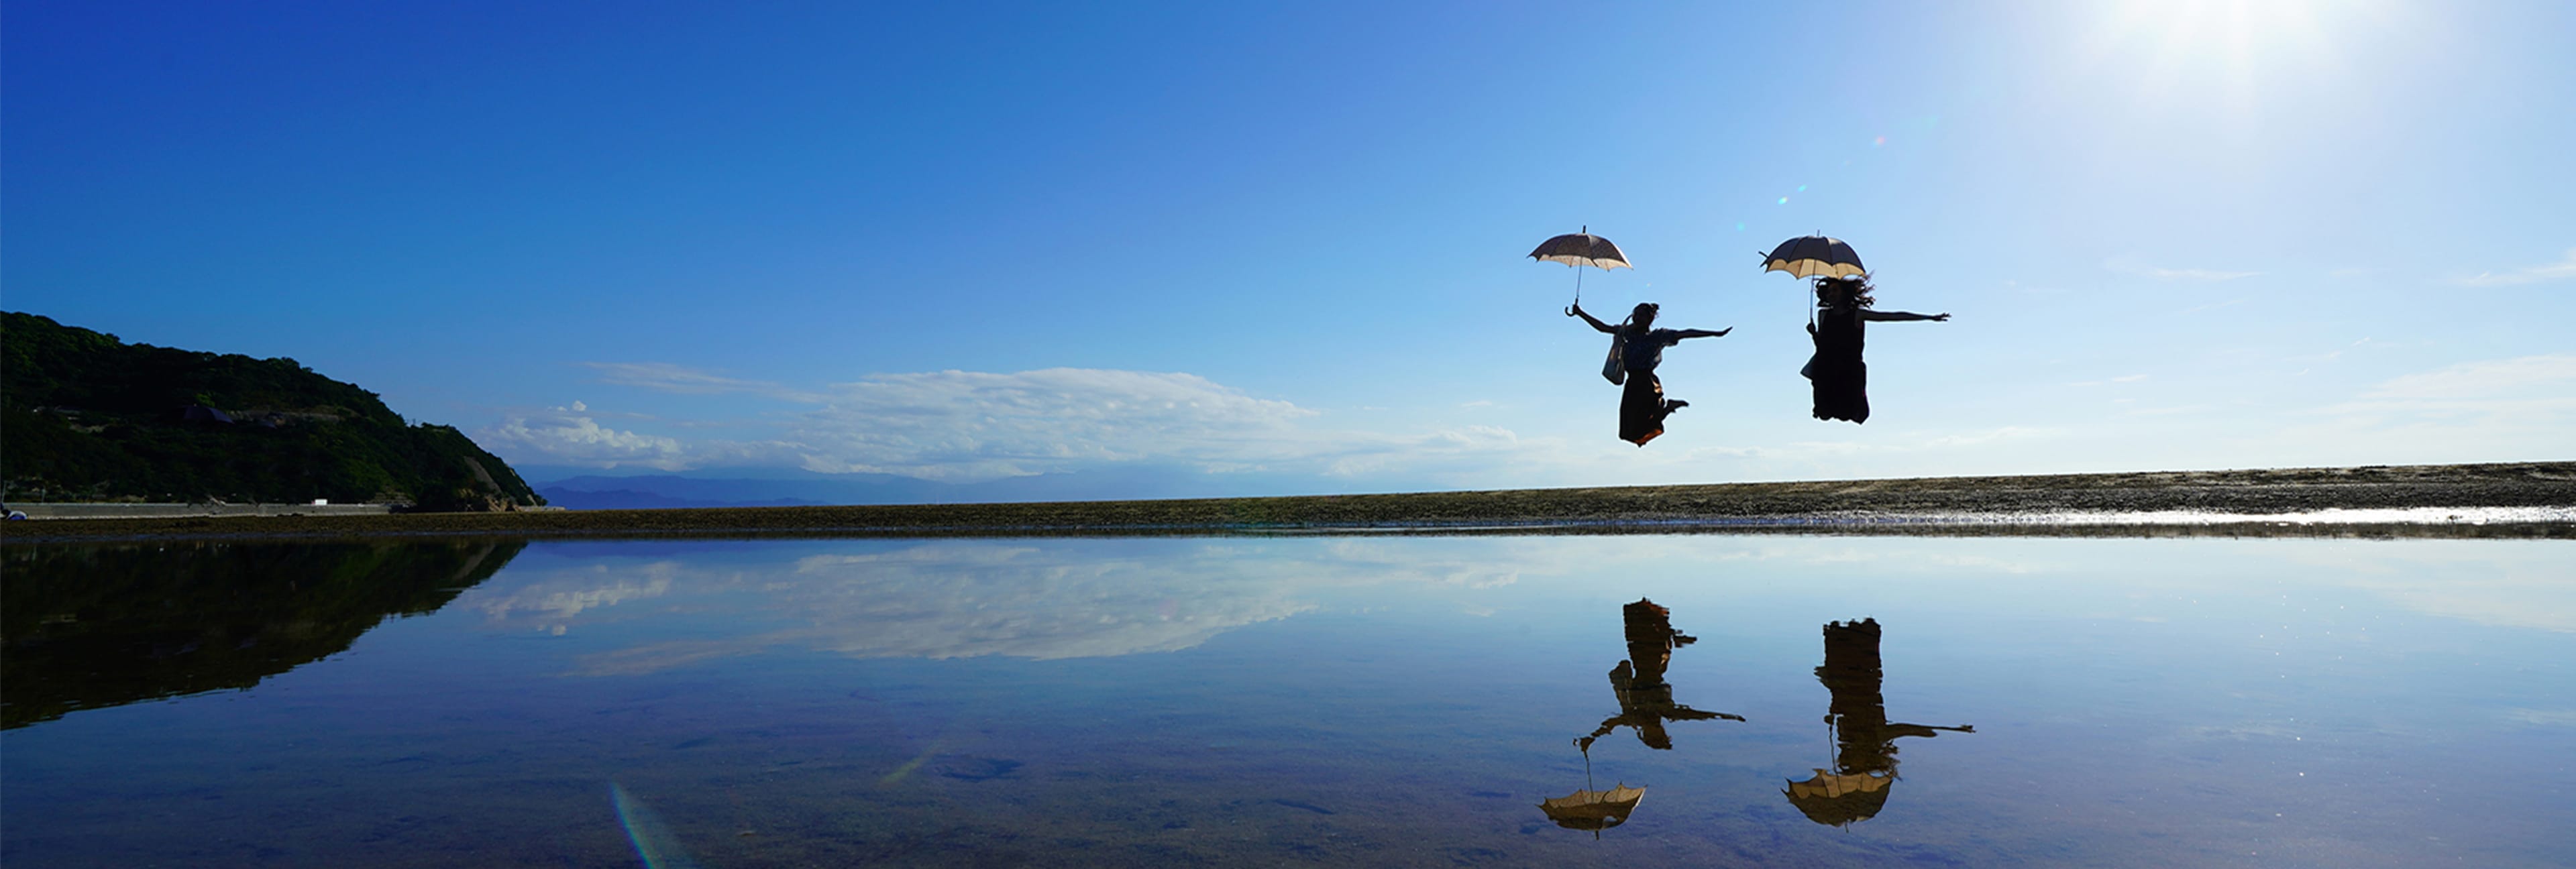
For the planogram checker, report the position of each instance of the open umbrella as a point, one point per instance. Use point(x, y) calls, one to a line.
point(1809, 256)
point(1812, 256)
point(1578, 250)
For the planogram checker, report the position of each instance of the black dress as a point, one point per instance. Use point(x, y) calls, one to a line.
point(1642, 406)
point(1841, 379)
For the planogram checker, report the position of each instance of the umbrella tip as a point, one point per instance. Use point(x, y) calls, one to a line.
point(1586, 230)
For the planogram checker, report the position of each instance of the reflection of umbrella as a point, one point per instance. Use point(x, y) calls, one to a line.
point(1578, 250)
point(1840, 800)
point(1814, 256)
point(1588, 809)
point(1593, 810)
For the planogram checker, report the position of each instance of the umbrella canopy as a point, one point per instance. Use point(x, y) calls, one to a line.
point(1582, 249)
point(1578, 250)
point(1812, 256)
point(1840, 800)
point(1593, 810)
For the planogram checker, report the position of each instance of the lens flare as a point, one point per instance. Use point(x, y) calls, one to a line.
point(936, 745)
point(653, 840)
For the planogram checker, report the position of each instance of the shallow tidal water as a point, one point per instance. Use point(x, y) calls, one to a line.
point(1361, 701)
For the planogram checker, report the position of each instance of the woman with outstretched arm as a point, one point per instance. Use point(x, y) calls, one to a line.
point(1642, 407)
point(1841, 379)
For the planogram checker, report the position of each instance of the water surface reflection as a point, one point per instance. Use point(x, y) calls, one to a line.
point(1358, 702)
point(1645, 699)
point(90, 627)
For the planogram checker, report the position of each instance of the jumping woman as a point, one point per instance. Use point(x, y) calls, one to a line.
point(1841, 379)
point(1642, 407)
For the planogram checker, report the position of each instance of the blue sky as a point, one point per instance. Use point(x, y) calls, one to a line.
point(1283, 244)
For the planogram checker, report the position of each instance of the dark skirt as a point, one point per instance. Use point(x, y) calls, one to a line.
point(1641, 408)
point(1842, 389)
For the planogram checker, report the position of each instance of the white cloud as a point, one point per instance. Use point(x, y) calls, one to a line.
point(567, 435)
point(2563, 269)
point(2177, 410)
point(2125, 378)
point(2498, 409)
point(968, 426)
point(2524, 377)
point(665, 377)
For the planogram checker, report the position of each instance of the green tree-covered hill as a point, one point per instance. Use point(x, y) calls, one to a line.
point(86, 417)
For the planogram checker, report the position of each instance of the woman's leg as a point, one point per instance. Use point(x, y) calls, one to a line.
point(1840, 393)
point(1859, 393)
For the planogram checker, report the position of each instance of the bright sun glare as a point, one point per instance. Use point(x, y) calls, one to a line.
point(2186, 48)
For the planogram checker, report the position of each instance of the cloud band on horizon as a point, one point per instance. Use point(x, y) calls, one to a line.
point(967, 426)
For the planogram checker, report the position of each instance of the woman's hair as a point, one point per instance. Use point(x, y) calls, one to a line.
point(1644, 312)
point(1858, 287)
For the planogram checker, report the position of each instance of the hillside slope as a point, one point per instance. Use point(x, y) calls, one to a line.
point(84, 416)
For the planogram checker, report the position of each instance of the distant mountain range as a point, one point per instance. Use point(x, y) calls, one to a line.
point(582, 489)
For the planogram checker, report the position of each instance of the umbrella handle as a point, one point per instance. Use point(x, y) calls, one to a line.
point(1587, 763)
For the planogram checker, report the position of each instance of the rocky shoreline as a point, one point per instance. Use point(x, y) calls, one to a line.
point(2236, 502)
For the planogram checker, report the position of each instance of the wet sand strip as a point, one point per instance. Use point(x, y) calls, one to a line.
point(2280, 502)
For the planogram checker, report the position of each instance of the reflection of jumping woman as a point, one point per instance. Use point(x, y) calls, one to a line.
point(1841, 379)
point(1642, 407)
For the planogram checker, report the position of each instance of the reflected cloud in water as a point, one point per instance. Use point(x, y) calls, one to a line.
point(608, 590)
point(2508, 584)
point(954, 599)
point(1051, 600)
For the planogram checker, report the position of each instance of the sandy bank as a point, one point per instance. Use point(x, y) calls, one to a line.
point(2255, 501)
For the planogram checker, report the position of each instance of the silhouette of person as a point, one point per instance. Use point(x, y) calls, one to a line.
point(1645, 699)
point(1864, 740)
point(1642, 407)
point(1841, 380)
